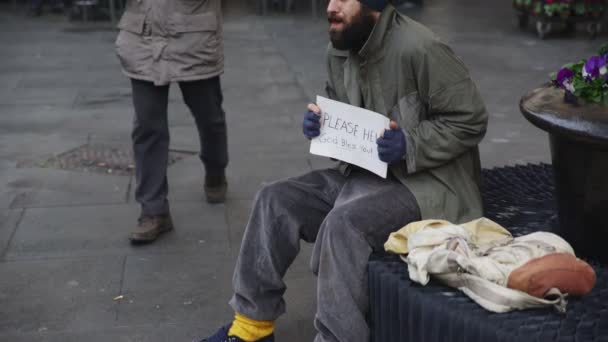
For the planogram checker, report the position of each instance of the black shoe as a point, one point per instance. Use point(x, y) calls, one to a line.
point(215, 188)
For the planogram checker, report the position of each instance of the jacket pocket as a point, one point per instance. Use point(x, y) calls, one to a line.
point(195, 46)
point(194, 6)
point(132, 50)
point(184, 23)
point(132, 22)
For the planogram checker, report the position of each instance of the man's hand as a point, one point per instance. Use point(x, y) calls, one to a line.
point(312, 121)
point(391, 145)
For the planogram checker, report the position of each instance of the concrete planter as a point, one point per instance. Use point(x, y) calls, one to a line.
point(578, 135)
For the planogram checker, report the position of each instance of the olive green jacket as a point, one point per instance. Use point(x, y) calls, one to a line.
point(163, 41)
point(404, 72)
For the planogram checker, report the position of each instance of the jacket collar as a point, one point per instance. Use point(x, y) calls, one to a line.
point(373, 46)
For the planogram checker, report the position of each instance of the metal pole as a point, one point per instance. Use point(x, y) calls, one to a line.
point(85, 12)
point(112, 12)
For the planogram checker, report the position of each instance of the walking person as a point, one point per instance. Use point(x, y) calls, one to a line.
point(163, 42)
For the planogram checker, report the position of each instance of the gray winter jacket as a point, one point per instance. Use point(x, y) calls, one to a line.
point(163, 41)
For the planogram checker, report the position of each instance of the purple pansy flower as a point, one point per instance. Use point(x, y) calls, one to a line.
point(564, 79)
point(594, 67)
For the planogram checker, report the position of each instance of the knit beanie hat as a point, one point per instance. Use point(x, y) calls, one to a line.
point(376, 5)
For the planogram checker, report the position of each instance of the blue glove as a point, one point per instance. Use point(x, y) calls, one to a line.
point(392, 146)
point(311, 125)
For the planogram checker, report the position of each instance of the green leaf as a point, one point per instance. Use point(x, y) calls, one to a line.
point(605, 98)
point(569, 65)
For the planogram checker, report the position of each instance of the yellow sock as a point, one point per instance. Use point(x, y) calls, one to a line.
point(248, 329)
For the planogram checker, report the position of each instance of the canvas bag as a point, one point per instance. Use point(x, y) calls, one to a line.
point(450, 253)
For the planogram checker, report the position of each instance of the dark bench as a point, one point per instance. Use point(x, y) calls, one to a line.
point(521, 199)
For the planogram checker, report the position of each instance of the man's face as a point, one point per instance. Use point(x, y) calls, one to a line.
point(350, 24)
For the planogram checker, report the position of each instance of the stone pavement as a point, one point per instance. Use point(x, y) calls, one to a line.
point(67, 271)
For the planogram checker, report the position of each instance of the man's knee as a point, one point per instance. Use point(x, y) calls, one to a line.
point(270, 193)
point(342, 225)
point(350, 232)
point(342, 242)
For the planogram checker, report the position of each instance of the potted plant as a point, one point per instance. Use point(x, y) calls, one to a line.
point(554, 8)
point(594, 8)
point(573, 110)
point(585, 81)
point(522, 4)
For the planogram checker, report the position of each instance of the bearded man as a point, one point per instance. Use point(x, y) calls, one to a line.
point(383, 61)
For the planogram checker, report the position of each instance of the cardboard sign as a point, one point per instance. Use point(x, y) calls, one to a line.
point(349, 133)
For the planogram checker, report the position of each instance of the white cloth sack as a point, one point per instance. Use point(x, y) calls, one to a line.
point(481, 272)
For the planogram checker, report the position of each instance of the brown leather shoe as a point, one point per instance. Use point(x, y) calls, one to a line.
point(149, 228)
point(215, 188)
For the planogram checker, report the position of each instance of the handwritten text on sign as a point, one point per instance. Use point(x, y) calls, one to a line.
point(349, 133)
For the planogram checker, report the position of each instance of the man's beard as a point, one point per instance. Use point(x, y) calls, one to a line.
point(354, 36)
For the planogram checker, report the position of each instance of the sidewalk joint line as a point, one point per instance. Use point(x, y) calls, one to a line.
point(13, 233)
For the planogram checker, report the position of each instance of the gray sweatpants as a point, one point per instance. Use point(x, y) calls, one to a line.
point(348, 217)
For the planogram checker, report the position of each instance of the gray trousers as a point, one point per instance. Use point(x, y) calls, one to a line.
point(150, 136)
point(347, 217)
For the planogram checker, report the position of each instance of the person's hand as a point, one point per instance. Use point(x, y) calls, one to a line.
point(311, 126)
point(391, 145)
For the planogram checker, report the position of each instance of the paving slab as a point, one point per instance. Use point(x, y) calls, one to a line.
point(46, 187)
point(102, 96)
point(56, 79)
point(245, 176)
point(10, 81)
point(48, 96)
point(103, 230)
point(269, 144)
point(238, 211)
point(36, 118)
point(59, 294)
point(177, 289)
point(184, 138)
point(33, 146)
point(103, 130)
point(110, 77)
point(179, 114)
point(120, 334)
